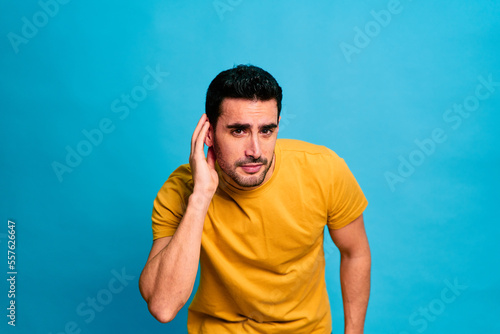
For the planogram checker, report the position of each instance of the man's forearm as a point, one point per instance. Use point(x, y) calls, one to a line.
point(355, 283)
point(168, 279)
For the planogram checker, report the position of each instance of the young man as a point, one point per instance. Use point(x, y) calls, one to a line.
point(252, 213)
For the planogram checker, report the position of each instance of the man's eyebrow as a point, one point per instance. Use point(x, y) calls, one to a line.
point(269, 126)
point(238, 126)
point(247, 126)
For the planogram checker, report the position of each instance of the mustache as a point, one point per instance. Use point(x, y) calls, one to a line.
point(260, 160)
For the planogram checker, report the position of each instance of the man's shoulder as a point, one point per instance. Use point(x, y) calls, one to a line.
point(295, 146)
point(181, 177)
point(183, 171)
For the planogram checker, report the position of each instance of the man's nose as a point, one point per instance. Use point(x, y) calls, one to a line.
point(253, 147)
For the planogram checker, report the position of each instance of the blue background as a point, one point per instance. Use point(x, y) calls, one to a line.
point(435, 226)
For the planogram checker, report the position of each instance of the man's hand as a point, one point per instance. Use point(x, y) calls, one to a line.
point(205, 176)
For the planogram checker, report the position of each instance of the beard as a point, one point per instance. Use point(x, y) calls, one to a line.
point(245, 181)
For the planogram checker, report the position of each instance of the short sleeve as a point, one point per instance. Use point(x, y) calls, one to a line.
point(171, 202)
point(346, 201)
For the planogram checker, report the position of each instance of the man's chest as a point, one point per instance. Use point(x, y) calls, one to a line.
point(268, 230)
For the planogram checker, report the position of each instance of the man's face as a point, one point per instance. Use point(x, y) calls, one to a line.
point(244, 141)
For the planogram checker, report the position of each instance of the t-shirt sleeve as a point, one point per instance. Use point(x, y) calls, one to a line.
point(171, 202)
point(346, 201)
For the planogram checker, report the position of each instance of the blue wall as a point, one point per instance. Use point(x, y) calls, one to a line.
point(408, 92)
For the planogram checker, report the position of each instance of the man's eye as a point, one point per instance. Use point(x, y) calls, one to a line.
point(267, 131)
point(237, 131)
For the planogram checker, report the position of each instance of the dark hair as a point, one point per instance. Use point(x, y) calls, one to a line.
point(242, 81)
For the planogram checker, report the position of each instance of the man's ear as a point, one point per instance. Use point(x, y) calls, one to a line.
point(209, 138)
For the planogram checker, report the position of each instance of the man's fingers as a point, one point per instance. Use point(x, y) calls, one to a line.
point(197, 130)
point(199, 142)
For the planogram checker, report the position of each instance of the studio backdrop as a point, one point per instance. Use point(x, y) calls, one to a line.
point(99, 99)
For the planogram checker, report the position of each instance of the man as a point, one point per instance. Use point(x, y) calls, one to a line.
point(252, 213)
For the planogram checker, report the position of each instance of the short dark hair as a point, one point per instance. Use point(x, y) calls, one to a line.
point(242, 81)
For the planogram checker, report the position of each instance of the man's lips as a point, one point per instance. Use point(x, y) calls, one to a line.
point(251, 168)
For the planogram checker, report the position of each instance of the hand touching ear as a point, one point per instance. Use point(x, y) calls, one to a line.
point(205, 176)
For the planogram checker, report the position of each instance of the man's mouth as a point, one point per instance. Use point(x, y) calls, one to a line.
point(251, 168)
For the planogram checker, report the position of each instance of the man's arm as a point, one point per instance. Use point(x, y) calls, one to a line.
point(355, 264)
point(168, 277)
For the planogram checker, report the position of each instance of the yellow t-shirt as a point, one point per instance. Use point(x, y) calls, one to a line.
point(262, 266)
